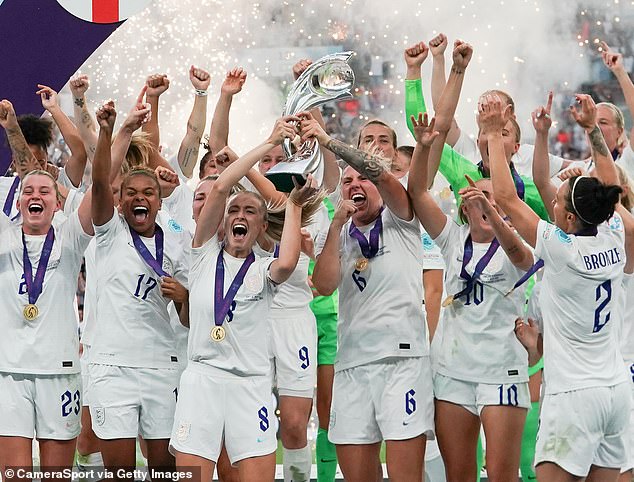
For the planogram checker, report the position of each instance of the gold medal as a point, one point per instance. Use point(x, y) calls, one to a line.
point(218, 333)
point(30, 312)
point(448, 300)
point(361, 264)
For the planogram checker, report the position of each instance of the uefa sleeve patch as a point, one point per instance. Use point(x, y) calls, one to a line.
point(616, 223)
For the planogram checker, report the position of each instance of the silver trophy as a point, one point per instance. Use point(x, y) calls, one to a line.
point(328, 79)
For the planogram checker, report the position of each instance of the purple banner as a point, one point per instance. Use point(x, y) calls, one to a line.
point(40, 42)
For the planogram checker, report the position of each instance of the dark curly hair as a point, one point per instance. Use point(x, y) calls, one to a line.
point(37, 131)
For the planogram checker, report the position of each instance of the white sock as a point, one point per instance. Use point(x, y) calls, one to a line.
point(297, 464)
point(90, 460)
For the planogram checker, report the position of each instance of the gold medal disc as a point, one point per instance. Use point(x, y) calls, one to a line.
point(30, 312)
point(218, 333)
point(448, 301)
point(361, 264)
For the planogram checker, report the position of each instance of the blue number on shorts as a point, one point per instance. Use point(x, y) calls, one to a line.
point(67, 399)
point(22, 288)
point(263, 413)
point(232, 308)
point(303, 357)
point(511, 395)
point(478, 294)
point(151, 283)
point(607, 287)
point(632, 371)
point(175, 392)
point(410, 402)
point(359, 280)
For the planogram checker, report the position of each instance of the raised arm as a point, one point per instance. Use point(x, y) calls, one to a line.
point(23, 159)
point(414, 101)
point(493, 117)
point(219, 130)
point(614, 61)
point(437, 45)
point(332, 173)
point(138, 116)
point(327, 271)
point(77, 162)
point(448, 102)
point(427, 211)
point(103, 205)
point(188, 150)
point(83, 118)
point(586, 117)
point(156, 85)
point(261, 184)
point(282, 268)
point(213, 210)
point(541, 161)
point(375, 168)
point(519, 254)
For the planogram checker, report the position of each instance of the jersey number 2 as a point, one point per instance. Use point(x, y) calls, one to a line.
point(603, 297)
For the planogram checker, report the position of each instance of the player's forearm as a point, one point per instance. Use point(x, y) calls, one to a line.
point(414, 101)
point(327, 272)
point(438, 79)
point(85, 126)
point(219, 130)
point(23, 159)
point(605, 166)
point(77, 162)
point(188, 151)
point(152, 126)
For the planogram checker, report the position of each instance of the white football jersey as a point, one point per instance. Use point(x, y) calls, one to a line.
point(475, 340)
point(522, 159)
point(625, 336)
point(90, 294)
point(245, 349)
point(133, 324)
point(49, 344)
point(179, 206)
point(380, 310)
point(580, 300)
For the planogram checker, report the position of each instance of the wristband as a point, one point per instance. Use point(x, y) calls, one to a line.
point(200, 93)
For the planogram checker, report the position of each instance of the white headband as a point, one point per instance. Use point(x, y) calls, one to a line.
point(572, 198)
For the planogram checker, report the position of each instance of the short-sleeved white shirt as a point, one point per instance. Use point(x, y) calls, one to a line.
point(475, 340)
point(50, 343)
point(580, 300)
point(384, 318)
point(133, 324)
point(245, 349)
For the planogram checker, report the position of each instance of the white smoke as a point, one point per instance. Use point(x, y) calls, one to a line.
point(521, 46)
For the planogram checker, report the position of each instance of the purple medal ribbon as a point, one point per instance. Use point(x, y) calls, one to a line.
point(34, 285)
point(371, 248)
point(531, 271)
point(276, 251)
point(479, 268)
point(8, 202)
point(155, 263)
point(223, 303)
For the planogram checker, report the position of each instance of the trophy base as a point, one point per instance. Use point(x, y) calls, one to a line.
point(283, 181)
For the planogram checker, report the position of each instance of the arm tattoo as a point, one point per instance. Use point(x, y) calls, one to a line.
point(22, 155)
point(597, 142)
point(79, 102)
point(189, 154)
point(192, 127)
point(86, 119)
point(367, 164)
